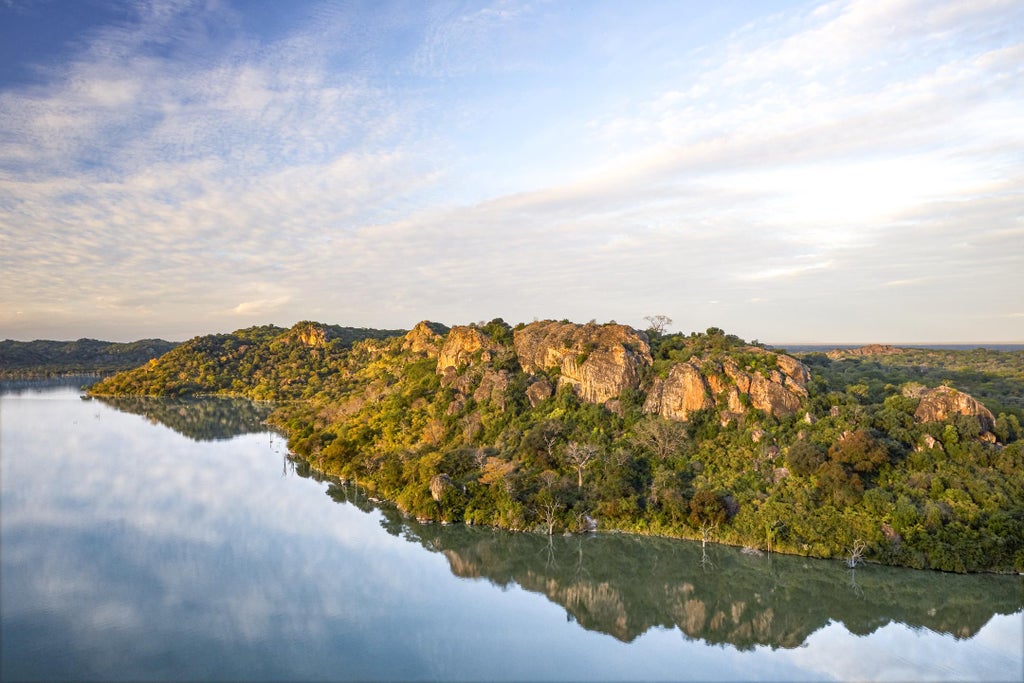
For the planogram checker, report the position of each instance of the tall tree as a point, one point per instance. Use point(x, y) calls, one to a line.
point(579, 456)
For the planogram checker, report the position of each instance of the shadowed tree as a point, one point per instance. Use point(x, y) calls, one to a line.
point(660, 437)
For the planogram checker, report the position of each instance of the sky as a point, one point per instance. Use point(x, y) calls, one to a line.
point(848, 171)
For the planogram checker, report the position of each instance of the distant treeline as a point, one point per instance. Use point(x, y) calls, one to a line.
point(45, 358)
point(812, 348)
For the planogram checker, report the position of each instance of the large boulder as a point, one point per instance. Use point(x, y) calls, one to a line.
point(774, 395)
point(797, 372)
point(941, 403)
point(492, 387)
point(597, 361)
point(684, 391)
point(538, 391)
point(422, 340)
point(461, 347)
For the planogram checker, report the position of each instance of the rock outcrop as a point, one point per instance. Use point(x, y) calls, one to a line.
point(539, 391)
point(942, 403)
point(423, 340)
point(702, 384)
point(461, 347)
point(869, 350)
point(492, 387)
point(796, 371)
point(309, 334)
point(439, 485)
point(597, 361)
point(684, 391)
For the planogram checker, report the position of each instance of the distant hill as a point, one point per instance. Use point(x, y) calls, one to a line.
point(822, 348)
point(46, 358)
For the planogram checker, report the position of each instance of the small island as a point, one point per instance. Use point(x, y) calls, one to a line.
point(907, 457)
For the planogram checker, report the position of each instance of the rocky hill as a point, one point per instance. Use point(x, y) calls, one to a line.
point(558, 426)
point(263, 362)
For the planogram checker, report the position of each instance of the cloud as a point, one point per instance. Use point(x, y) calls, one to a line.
point(993, 654)
point(908, 282)
point(379, 167)
point(461, 43)
point(217, 172)
point(260, 306)
point(786, 272)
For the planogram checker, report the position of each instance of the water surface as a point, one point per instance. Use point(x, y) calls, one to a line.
point(159, 540)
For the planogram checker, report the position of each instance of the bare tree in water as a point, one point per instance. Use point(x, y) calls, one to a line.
point(707, 529)
point(856, 555)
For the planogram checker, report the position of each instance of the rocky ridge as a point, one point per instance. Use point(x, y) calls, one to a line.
point(488, 424)
point(600, 361)
point(597, 361)
point(702, 384)
point(868, 350)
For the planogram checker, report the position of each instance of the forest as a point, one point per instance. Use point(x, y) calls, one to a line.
point(45, 358)
point(596, 427)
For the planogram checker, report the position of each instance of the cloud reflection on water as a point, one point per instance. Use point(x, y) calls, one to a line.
point(138, 553)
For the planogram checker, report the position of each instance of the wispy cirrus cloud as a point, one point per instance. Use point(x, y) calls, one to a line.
point(187, 178)
point(384, 166)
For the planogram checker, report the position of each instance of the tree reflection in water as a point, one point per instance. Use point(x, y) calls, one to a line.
point(624, 585)
point(200, 419)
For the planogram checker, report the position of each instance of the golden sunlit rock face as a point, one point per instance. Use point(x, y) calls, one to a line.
point(597, 361)
point(461, 346)
point(702, 384)
point(941, 403)
point(422, 339)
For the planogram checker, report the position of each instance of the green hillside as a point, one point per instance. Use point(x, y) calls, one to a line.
point(556, 427)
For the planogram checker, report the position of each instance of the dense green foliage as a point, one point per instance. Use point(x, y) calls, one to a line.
point(264, 363)
point(853, 468)
point(993, 377)
point(44, 358)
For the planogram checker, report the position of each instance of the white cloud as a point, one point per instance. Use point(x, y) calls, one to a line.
point(261, 306)
point(787, 272)
point(852, 146)
point(882, 656)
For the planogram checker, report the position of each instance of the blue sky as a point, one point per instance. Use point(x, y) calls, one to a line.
point(791, 172)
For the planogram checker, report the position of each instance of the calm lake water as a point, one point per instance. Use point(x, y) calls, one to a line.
point(174, 540)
